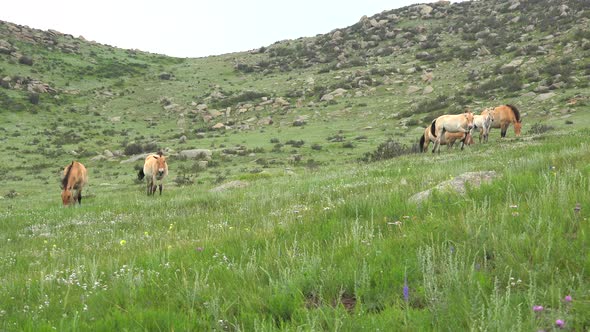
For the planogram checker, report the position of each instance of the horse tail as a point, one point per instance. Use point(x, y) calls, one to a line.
point(516, 112)
point(140, 174)
point(433, 128)
point(64, 181)
point(422, 139)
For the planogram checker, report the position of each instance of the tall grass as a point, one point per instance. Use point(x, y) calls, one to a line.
point(328, 250)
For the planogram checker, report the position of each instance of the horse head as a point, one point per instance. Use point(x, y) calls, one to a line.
point(469, 119)
point(161, 165)
point(517, 128)
point(66, 197)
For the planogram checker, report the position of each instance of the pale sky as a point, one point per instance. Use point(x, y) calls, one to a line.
point(197, 28)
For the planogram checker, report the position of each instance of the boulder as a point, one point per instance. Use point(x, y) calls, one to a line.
point(545, 96)
point(6, 47)
point(229, 185)
point(204, 154)
point(424, 10)
point(458, 184)
point(427, 90)
point(413, 89)
point(218, 126)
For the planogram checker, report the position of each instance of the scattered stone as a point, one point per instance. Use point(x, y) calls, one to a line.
point(218, 126)
point(545, 96)
point(229, 185)
point(413, 89)
point(457, 184)
point(204, 154)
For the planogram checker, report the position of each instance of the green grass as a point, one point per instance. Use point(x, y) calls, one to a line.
point(287, 252)
point(316, 240)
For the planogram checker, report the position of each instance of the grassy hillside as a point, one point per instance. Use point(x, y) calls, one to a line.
point(324, 250)
point(318, 239)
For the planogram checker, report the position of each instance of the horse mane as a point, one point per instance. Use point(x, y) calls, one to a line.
point(515, 111)
point(64, 181)
point(433, 128)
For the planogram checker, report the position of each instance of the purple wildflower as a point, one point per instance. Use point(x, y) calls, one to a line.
point(538, 308)
point(559, 323)
point(406, 290)
point(568, 298)
point(199, 248)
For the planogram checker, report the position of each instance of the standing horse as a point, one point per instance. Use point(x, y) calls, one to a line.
point(74, 178)
point(504, 115)
point(457, 123)
point(154, 170)
point(449, 139)
point(482, 122)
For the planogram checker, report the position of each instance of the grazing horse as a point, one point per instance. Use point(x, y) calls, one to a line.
point(456, 123)
point(482, 122)
point(504, 115)
point(154, 170)
point(449, 139)
point(74, 178)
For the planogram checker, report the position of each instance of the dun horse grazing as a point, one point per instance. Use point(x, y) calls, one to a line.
point(449, 139)
point(154, 170)
point(74, 178)
point(483, 123)
point(504, 115)
point(457, 123)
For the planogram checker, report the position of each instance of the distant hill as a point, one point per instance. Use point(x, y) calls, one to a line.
point(385, 76)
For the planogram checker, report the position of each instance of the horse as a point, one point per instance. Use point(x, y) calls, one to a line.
point(154, 170)
point(449, 139)
point(456, 123)
point(482, 122)
point(75, 177)
point(504, 115)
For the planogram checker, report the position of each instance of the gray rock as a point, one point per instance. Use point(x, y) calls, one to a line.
point(204, 154)
point(229, 185)
point(135, 158)
point(413, 89)
point(457, 184)
point(545, 96)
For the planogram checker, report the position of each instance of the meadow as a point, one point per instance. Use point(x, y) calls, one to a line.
point(339, 248)
point(322, 233)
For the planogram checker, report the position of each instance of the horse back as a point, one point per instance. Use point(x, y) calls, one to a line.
point(75, 176)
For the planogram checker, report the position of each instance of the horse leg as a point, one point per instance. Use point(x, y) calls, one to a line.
point(80, 196)
point(149, 188)
point(160, 189)
point(437, 141)
point(503, 130)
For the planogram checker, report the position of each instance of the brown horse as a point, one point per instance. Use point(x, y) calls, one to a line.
point(74, 178)
point(451, 123)
point(449, 139)
point(504, 115)
point(154, 170)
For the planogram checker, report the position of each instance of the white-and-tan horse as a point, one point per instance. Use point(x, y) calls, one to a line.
point(453, 123)
point(483, 123)
point(154, 170)
point(449, 139)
